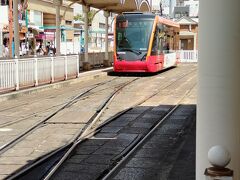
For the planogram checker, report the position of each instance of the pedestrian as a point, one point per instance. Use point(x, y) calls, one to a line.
point(5, 48)
point(5, 51)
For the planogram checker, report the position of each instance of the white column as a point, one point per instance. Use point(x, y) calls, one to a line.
point(106, 14)
point(58, 4)
point(85, 12)
point(170, 8)
point(150, 5)
point(16, 28)
point(195, 42)
point(218, 113)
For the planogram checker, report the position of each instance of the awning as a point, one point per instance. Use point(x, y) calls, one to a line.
point(117, 6)
point(49, 37)
point(53, 28)
point(21, 36)
point(97, 31)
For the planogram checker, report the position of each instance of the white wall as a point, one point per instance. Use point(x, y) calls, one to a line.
point(3, 14)
point(3, 21)
point(77, 9)
point(194, 6)
point(166, 6)
point(70, 47)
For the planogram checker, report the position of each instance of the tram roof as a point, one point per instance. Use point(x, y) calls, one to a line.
point(137, 14)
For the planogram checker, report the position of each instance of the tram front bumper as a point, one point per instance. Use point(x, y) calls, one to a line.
point(130, 66)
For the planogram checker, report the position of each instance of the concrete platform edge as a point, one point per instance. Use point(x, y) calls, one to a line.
point(85, 76)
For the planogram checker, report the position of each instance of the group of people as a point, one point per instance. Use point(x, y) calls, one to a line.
point(48, 50)
point(28, 49)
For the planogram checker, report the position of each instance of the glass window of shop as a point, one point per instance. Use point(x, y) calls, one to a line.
point(38, 18)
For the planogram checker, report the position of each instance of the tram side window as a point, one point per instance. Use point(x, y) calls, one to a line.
point(166, 46)
point(160, 41)
point(165, 40)
point(156, 46)
point(161, 37)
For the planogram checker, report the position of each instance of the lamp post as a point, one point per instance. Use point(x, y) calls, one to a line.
point(16, 28)
point(58, 4)
point(10, 19)
point(106, 59)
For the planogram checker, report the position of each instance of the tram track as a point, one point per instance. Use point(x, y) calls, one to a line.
point(38, 114)
point(9, 124)
point(80, 135)
point(89, 132)
point(57, 105)
point(157, 92)
point(128, 155)
point(123, 157)
point(13, 142)
point(120, 159)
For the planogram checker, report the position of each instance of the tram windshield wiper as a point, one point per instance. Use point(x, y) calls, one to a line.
point(145, 55)
point(131, 50)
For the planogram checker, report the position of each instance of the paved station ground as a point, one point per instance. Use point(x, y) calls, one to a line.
point(168, 154)
point(19, 114)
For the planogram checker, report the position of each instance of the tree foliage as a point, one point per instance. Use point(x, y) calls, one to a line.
point(91, 15)
point(79, 17)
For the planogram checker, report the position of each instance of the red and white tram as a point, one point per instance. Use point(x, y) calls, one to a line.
point(144, 43)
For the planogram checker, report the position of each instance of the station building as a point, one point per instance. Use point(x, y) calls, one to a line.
point(188, 33)
point(37, 22)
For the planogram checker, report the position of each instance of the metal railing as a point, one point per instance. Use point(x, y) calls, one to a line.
point(188, 55)
point(27, 72)
point(19, 73)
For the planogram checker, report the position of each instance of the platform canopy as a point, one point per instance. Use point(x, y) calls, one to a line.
point(117, 6)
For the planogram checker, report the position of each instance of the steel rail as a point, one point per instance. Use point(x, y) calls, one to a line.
point(11, 143)
point(95, 129)
point(87, 130)
point(127, 156)
point(137, 104)
point(81, 136)
point(90, 131)
point(38, 162)
point(32, 115)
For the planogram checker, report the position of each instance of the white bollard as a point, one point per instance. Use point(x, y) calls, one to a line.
point(219, 158)
point(52, 70)
point(16, 73)
point(78, 66)
point(36, 70)
point(66, 67)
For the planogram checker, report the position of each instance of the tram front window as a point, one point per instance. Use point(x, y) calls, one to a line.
point(132, 38)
